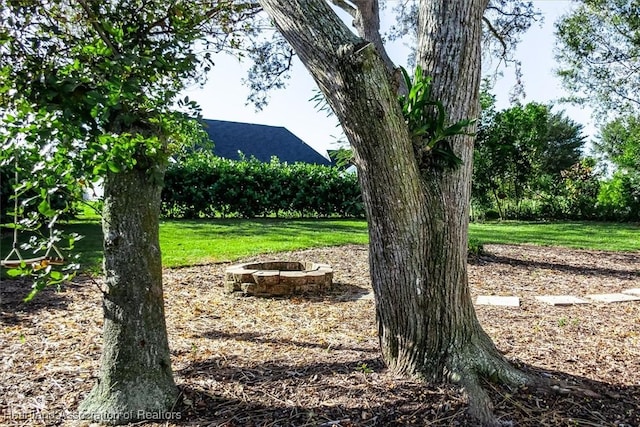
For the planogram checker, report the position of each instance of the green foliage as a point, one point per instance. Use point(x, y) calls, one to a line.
point(364, 368)
point(491, 215)
point(205, 186)
point(43, 246)
point(91, 88)
point(6, 191)
point(581, 186)
point(598, 48)
point(619, 142)
point(42, 200)
point(476, 248)
point(528, 165)
point(520, 154)
point(619, 197)
point(425, 118)
point(342, 157)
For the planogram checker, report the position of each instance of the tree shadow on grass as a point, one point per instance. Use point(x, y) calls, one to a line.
point(249, 227)
point(339, 394)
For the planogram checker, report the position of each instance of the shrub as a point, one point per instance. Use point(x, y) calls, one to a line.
point(619, 197)
point(204, 186)
point(476, 248)
point(581, 190)
point(492, 215)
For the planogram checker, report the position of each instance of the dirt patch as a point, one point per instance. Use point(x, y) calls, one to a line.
point(313, 361)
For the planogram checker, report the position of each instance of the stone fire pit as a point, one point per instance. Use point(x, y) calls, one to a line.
point(278, 278)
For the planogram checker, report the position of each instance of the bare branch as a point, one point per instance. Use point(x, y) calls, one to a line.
point(367, 23)
point(346, 6)
point(496, 34)
point(514, 14)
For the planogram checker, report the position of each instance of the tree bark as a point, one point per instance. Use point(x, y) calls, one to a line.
point(418, 219)
point(135, 381)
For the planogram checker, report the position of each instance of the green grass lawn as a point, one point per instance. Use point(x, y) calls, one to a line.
point(198, 242)
point(578, 235)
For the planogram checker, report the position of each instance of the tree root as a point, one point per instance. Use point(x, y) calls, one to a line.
point(480, 404)
point(123, 403)
point(481, 362)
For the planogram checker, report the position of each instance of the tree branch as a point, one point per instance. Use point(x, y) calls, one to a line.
point(367, 23)
point(342, 4)
point(497, 35)
point(97, 27)
point(513, 14)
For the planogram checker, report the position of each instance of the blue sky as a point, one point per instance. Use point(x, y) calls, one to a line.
point(224, 96)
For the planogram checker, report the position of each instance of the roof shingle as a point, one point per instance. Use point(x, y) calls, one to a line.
point(261, 142)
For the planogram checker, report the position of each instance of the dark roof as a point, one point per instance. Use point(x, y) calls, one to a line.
point(259, 141)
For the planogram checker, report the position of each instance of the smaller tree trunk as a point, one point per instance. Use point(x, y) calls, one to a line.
point(136, 381)
point(498, 203)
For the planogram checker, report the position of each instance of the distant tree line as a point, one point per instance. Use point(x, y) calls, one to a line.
point(529, 164)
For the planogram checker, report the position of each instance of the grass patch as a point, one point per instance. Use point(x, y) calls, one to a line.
point(186, 243)
point(90, 246)
point(198, 242)
point(578, 235)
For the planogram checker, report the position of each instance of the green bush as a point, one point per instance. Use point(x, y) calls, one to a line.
point(492, 215)
point(581, 186)
point(205, 186)
point(475, 248)
point(619, 197)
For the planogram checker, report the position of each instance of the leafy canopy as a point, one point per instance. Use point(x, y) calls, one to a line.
point(522, 149)
point(619, 142)
point(89, 88)
point(599, 54)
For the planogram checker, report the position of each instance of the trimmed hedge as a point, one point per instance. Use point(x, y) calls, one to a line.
point(205, 186)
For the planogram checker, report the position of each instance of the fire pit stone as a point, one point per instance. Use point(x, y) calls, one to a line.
point(278, 278)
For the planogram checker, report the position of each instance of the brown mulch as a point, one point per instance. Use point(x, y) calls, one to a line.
point(314, 361)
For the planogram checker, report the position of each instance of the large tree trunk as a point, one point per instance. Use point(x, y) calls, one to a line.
point(136, 381)
point(418, 219)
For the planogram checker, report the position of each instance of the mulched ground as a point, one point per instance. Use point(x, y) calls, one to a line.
point(313, 361)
